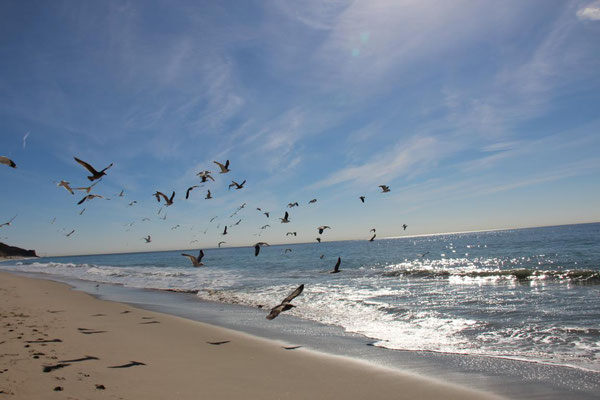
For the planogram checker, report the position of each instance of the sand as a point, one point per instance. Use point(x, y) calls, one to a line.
point(47, 324)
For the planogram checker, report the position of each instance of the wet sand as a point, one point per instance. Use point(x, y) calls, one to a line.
point(59, 343)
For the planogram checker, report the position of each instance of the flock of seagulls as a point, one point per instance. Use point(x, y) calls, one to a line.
point(167, 201)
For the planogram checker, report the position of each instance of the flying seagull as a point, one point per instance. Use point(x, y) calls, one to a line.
point(336, 269)
point(95, 174)
point(213, 218)
point(322, 228)
point(267, 214)
point(424, 254)
point(89, 197)
point(362, 198)
point(285, 218)
point(70, 233)
point(295, 204)
point(220, 243)
point(237, 186)
point(384, 188)
point(65, 184)
point(7, 161)
point(257, 247)
point(82, 211)
point(8, 223)
point(224, 168)
point(237, 223)
point(312, 201)
point(148, 239)
point(146, 219)
point(290, 233)
point(404, 226)
point(187, 193)
point(208, 196)
point(122, 193)
point(196, 261)
point(204, 175)
point(322, 256)
point(265, 226)
point(132, 203)
point(168, 201)
point(373, 238)
point(319, 240)
point(285, 304)
point(224, 231)
point(287, 251)
point(88, 189)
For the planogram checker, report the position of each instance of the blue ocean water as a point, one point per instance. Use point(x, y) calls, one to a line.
point(528, 294)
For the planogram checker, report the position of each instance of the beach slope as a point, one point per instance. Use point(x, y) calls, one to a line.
point(59, 343)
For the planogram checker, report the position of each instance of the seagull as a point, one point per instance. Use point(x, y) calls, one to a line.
point(70, 233)
point(319, 240)
point(168, 201)
point(257, 247)
point(224, 168)
point(290, 233)
point(148, 239)
point(95, 174)
point(146, 219)
point(336, 269)
point(122, 193)
point(8, 223)
point(404, 226)
point(187, 193)
point(267, 214)
point(213, 218)
point(175, 227)
point(373, 238)
point(265, 226)
point(287, 251)
point(384, 188)
point(7, 161)
point(237, 186)
point(89, 197)
point(322, 228)
point(424, 254)
point(285, 304)
point(53, 220)
point(312, 201)
point(65, 184)
point(88, 189)
point(224, 231)
point(295, 204)
point(133, 202)
point(220, 243)
point(362, 198)
point(322, 256)
point(237, 223)
point(82, 211)
point(285, 218)
point(208, 196)
point(205, 175)
point(196, 261)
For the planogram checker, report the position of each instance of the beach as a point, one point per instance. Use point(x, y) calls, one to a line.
point(46, 324)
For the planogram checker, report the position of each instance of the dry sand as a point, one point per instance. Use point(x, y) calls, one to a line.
point(47, 324)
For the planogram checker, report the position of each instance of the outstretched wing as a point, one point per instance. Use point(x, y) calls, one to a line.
point(87, 166)
point(337, 265)
point(293, 295)
point(200, 255)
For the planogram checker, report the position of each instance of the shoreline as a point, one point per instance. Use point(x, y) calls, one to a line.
point(175, 353)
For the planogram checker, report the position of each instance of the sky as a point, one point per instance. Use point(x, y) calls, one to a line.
point(477, 114)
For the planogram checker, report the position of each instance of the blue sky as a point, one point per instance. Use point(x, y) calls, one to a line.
point(477, 114)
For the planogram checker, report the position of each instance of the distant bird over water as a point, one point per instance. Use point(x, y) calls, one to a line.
point(148, 239)
point(257, 247)
point(196, 261)
point(95, 174)
point(322, 228)
point(285, 304)
point(221, 242)
point(7, 161)
point(336, 269)
point(373, 237)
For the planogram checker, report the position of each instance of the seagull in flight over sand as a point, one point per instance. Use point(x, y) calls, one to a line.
point(295, 204)
point(148, 239)
point(336, 269)
point(88, 189)
point(285, 218)
point(8, 223)
point(291, 233)
point(237, 186)
point(384, 188)
point(65, 184)
point(257, 247)
point(224, 168)
point(7, 161)
point(285, 304)
point(95, 174)
point(362, 198)
point(168, 201)
point(322, 228)
point(220, 243)
point(312, 201)
point(196, 261)
point(89, 197)
point(187, 193)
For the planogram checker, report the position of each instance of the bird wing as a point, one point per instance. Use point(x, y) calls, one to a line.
point(256, 249)
point(111, 164)
point(373, 238)
point(200, 255)
point(82, 200)
point(159, 195)
point(172, 197)
point(192, 258)
point(223, 168)
point(293, 295)
point(286, 215)
point(87, 166)
point(337, 265)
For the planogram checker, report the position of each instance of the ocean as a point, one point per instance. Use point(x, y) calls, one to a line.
point(525, 294)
